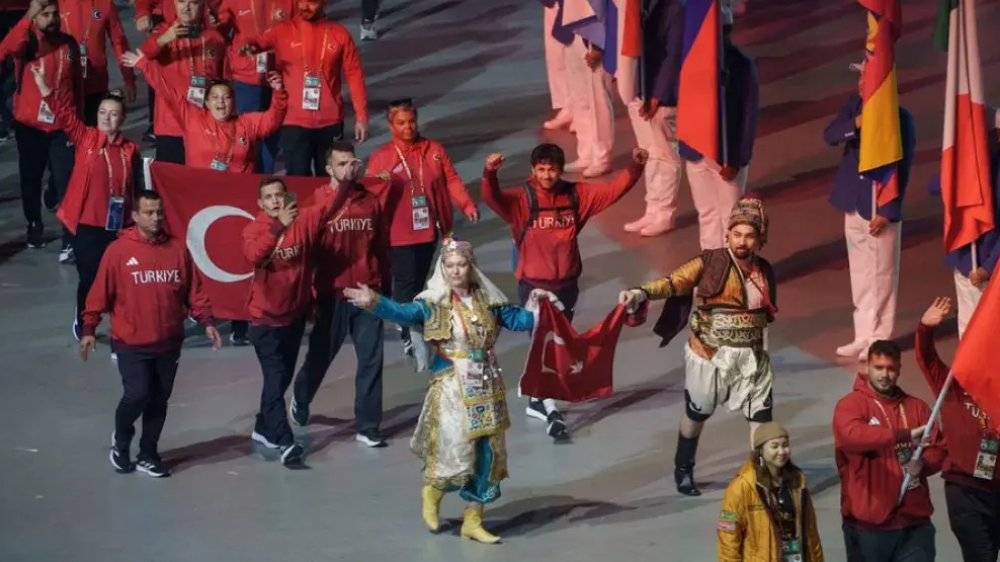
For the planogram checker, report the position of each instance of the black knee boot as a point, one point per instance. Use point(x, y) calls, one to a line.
point(684, 465)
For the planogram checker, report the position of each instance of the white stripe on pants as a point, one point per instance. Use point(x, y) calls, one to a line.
point(555, 62)
point(967, 299)
point(714, 199)
point(874, 265)
point(663, 171)
point(590, 103)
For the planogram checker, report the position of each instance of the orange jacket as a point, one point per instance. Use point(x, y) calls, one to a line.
point(746, 531)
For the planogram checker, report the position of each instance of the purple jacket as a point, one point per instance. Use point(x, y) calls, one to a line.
point(852, 191)
point(663, 51)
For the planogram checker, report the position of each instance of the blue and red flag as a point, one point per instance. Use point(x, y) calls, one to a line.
point(623, 45)
point(700, 109)
point(881, 139)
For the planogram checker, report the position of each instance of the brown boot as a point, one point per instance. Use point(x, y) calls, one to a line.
point(432, 504)
point(472, 526)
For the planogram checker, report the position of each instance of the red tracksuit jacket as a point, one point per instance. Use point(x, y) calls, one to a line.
point(243, 20)
point(355, 242)
point(91, 23)
point(167, 10)
point(323, 48)
point(182, 58)
point(205, 138)
point(283, 260)
point(865, 437)
point(62, 68)
point(962, 429)
point(150, 287)
point(441, 183)
point(90, 187)
point(549, 253)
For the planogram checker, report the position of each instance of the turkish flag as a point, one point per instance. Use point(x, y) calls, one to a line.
point(209, 210)
point(568, 366)
point(975, 360)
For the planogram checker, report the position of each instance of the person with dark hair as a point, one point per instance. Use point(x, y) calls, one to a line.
point(734, 297)
point(92, 24)
point(314, 53)
point(281, 245)
point(546, 216)
point(240, 19)
point(107, 173)
point(971, 480)
point(190, 54)
point(37, 41)
point(149, 285)
point(876, 430)
point(767, 512)
point(369, 13)
point(425, 186)
point(354, 250)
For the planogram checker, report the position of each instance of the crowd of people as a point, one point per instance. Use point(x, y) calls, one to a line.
point(249, 86)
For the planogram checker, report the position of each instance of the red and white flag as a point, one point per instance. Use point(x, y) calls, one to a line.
point(966, 186)
point(565, 365)
point(976, 358)
point(209, 210)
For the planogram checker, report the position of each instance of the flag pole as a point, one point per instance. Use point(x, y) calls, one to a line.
point(927, 431)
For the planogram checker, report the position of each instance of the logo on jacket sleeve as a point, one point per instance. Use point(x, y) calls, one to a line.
point(97, 15)
point(280, 15)
point(874, 421)
point(132, 262)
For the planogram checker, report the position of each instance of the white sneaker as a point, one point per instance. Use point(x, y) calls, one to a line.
point(66, 255)
point(576, 166)
point(368, 32)
point(852, 349)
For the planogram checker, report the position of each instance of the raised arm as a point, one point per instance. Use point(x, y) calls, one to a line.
point(61, 105)
point(595, 197)
point(119, 43)
point(507, 205)
point(405, 314)
point(16, 41)
point(177, 104)
point(263, 124)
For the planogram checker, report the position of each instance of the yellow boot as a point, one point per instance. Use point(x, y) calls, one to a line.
point(472, 526)
point(432, 504)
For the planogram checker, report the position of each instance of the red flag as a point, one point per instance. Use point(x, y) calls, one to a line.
point(568, 366)
point(975, 361)
point(209, 210)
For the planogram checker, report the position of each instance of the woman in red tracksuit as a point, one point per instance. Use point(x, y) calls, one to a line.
point(425, 185)
point(98, 200)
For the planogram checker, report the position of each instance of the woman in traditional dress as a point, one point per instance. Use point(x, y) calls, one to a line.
point(460, 434)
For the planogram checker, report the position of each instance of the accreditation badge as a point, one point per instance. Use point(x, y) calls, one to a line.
point(311, 93)
point(116, 214)
point(45, 114)
point(986, 460)
point(196, 91)
point(219, 165)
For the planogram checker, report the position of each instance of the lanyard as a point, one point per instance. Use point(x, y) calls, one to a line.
point(899, 408)
point(204, 57)
point(305, 52)
point(406, 166)
point(81, 19)
point(258, 24)
point(231, 140)
point(111, 174)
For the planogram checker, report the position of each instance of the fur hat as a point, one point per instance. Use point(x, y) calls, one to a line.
point(768, 431)
point(750, 211)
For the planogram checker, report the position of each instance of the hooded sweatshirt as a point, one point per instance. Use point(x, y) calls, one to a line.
point(150, 287)
point(869, 430)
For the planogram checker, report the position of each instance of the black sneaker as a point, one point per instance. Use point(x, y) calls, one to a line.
point(149, 135)
point(152, 467)
point(239, 340)
point(371, 437)
point(300, 414)
point(536, 409)
point(35, 235)
point(120, 457)
point(684, 478)
point(557, 426)
point(258, 437)
point(292, 454)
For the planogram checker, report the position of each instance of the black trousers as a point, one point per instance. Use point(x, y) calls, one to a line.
point(277, 351)
point(567, 294)
point(336, 319)
point(410, 267)
point(89, 245)
point(152, 104)
point(170, 149)
point(91, 104)
point(37, 150)
point(369, 8)
point(913, 544)
point(148, 380)
point(8, 19)
point(305, 149)
point(974, 515)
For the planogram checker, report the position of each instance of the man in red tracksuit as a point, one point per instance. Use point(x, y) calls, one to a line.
point(37, 40)
point(281, 246)
point(148, 283)
point(312, 53)
point(191, 56)
point(972, 482)
point(546, 216)
point(876, 431)
point(91, 23)
point(354, 250)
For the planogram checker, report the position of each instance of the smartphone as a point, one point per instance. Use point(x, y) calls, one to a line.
point(290, 198)
point(193, 31)
point(358, 167)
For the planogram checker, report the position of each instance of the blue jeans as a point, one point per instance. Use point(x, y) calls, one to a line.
point(251, 98)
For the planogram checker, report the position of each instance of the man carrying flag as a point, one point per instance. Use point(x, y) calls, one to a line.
point(872, 217)
point(716, 115)
point(972, 483)
point(725, 359)
point(969, 200)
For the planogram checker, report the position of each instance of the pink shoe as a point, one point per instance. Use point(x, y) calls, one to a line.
point(562, 120)
point(657, 226)
point(852, 349)
point(636, 226)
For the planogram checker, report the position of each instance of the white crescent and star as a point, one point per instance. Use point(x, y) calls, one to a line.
point(197, 229)
point(575, 368)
